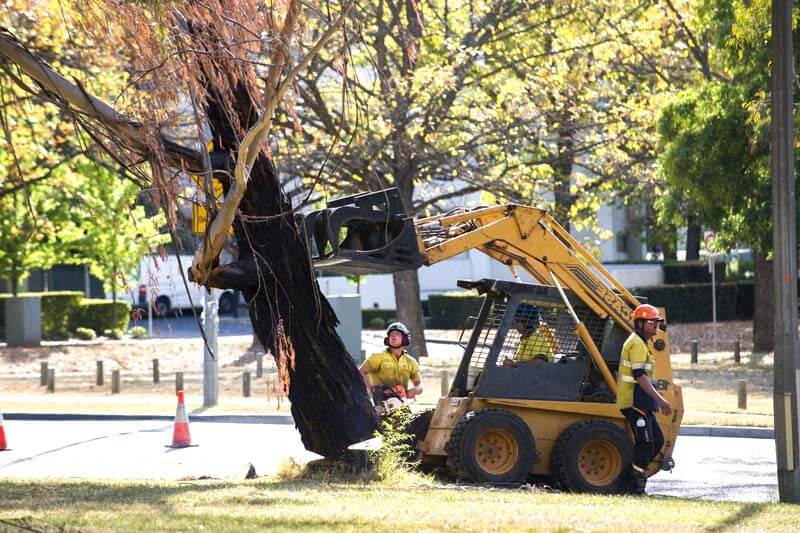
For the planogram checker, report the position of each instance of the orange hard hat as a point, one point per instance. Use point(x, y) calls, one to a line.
point(646, 312)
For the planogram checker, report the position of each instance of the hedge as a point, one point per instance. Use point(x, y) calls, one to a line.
point(450, 310)
point(57, 307)
point(97, 314)
point(691, 302)
point(68, 310)
point(387, 315)
point(683, 272)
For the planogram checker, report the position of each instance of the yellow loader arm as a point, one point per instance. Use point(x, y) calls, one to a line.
point(372, 233)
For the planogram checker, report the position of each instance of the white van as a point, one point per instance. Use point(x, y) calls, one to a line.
point(161, 279)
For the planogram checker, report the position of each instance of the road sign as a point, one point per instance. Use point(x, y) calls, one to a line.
point(200, 211)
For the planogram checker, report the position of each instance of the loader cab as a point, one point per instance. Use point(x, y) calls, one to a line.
point(523, 346)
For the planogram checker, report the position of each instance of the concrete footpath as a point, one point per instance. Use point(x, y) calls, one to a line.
point(741, 432)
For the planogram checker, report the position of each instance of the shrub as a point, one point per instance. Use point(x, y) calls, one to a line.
point(85, 334)
point(691, 302)
point(683, 272)
point(59, 309)
point(116, 333)
point(58, 335)
point(450, 310)
point(99, 315)
point(138, 332)
point(376, 323)
point(387, 315)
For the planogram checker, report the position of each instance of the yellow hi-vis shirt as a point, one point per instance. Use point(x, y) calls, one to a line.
point(539, 342)
point(635, 355)
point(386, 369)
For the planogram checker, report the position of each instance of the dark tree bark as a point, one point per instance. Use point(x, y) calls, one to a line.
point(406, 283)
point(564, 199)
point(763, 310)
point(409, 310)
point(694, 234)
point(293, 320)
point(290, 316)
point(669, 245)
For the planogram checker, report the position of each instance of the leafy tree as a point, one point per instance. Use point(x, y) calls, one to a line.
point(550, 102)
point(716, 144)
point(42, 210)
point(116, 231)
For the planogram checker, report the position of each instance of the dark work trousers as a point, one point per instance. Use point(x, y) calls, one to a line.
point(648, 439)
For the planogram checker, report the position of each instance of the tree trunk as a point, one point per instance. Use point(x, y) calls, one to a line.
point(409, 309)
point(763, 310)
point(290, 316)
point(563, 174)
point(669, 244)
point(113, 294)
point(694, 234)
point(406, 282)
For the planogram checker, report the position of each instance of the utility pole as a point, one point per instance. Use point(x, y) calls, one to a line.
point(210, 362)
point(785, 396)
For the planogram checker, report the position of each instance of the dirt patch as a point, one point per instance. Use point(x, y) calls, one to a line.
point(132, 356)
point(727, 333)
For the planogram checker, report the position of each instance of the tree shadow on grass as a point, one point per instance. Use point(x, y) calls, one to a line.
point(745, 511)
point(49, 495)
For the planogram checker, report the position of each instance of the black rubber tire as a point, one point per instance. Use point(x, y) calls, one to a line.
point(226, 303)
point(416, 428)
point(163, 306)
point(600, 396)
point(476, 435)
point(566, 457)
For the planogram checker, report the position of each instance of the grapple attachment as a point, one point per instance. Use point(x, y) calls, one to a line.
point(368, 233)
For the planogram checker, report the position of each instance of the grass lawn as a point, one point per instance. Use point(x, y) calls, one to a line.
point(710, 397)
point(415, 504)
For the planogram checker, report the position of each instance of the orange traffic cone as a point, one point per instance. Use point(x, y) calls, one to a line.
point(3, 443)
point(180, 433)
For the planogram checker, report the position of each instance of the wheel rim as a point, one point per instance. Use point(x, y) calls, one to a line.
point(496, 451)
point(600, 462)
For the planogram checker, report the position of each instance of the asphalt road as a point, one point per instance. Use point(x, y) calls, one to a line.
point(131, 449)
point(709, 468)
point(184, 326)
point(720, 468)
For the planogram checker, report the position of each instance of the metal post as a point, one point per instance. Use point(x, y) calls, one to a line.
point(51, 380)
point(713, 268)
point(115, 382)
point(178, 382)
point(259, 366)
point(43, 373)
point(246, 384)
point(86, 284)
point(784, 239)
point(156, 374)
point(210, 352)
point(99, 374)
point(737, 352)
point(149, 299)
point(695, 348)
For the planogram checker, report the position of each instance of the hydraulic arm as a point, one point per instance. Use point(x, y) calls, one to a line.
point(372, 233)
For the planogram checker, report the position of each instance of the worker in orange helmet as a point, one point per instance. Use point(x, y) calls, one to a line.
point(637, 398)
